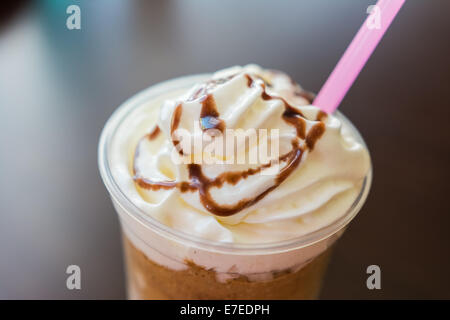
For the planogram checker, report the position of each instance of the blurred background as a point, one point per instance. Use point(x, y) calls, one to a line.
point(58, 87)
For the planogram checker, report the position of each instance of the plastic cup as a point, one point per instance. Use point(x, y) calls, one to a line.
point(164, 263)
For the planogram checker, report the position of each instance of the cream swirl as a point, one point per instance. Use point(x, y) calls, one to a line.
point(321, 165)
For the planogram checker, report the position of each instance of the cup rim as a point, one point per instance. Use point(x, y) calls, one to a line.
point(140, 216)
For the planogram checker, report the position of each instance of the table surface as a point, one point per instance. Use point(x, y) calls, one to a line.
point(58, 87)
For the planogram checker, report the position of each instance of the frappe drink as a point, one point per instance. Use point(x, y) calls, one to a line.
point(231, 186)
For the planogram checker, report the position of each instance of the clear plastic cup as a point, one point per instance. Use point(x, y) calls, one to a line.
point(164, 263)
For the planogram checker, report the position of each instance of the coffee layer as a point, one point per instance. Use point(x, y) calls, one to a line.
point(148, 280)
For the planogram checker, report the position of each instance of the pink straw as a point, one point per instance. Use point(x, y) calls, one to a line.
point(357, 54)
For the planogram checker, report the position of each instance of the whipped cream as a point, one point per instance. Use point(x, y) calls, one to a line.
point(322, 164)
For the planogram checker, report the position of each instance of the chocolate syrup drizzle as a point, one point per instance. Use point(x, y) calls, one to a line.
point(176, 117)
point(154, 133)
point(209, 116)
point(209, 119)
